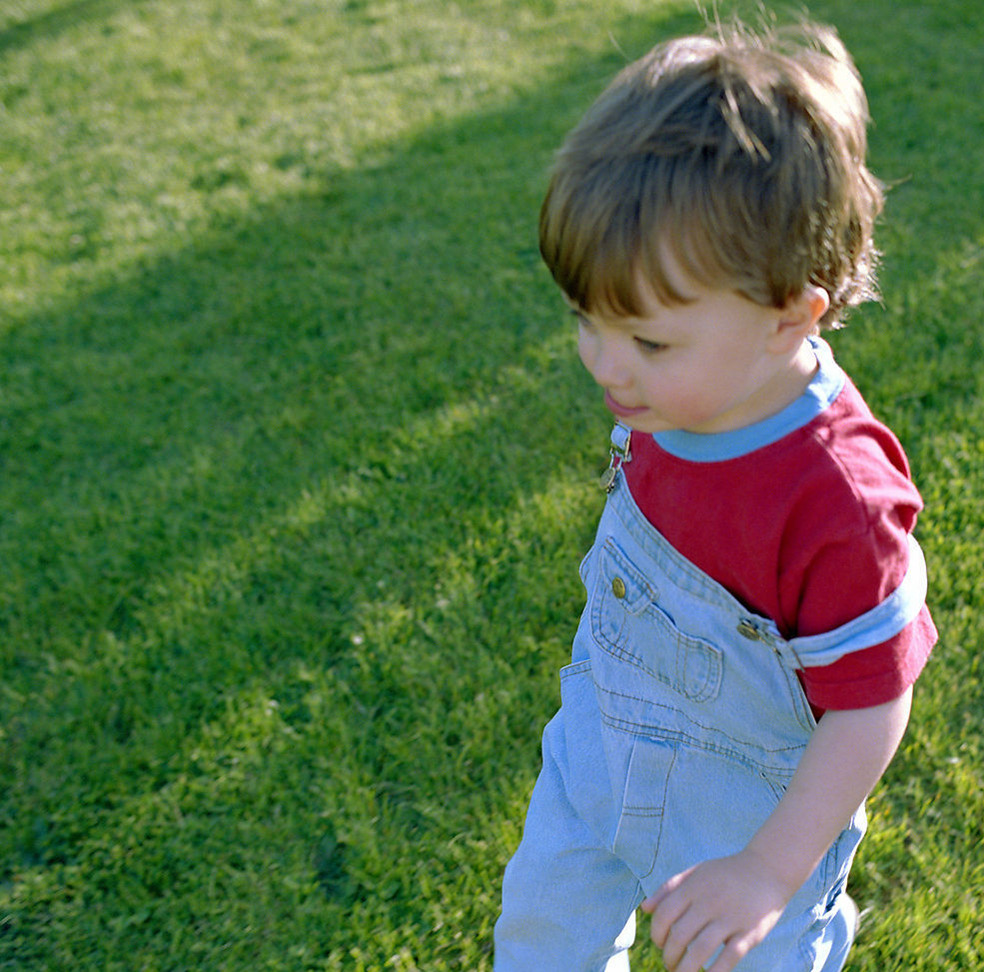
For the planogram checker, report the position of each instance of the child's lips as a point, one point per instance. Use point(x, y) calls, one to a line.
point(617, 408)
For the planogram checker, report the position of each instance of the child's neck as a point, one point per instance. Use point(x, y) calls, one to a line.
point(788, 383)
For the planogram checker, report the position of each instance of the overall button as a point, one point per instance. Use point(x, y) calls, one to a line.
point(618, 587)
point(748, 630)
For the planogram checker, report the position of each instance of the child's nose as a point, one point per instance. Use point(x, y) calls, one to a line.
point(611, 368)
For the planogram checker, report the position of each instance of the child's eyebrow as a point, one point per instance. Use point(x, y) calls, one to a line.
point(621, 323)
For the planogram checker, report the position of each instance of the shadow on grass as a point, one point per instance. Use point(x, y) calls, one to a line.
point(63, 17)
point(314, 441)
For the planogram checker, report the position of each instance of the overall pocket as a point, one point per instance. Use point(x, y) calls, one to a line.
point(628, 623)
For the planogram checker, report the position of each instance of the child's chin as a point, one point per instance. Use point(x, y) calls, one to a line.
point(646, 424)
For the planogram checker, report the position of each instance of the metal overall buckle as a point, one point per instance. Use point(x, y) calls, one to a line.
point(620, 453)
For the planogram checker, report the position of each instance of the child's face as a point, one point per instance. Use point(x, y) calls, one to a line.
point(710, 365)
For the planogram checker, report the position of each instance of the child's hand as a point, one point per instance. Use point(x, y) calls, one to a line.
point(729, 901)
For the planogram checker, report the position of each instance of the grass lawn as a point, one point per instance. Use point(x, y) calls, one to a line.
point(297, 464)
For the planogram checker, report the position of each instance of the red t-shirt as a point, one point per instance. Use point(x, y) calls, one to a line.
point(809, 530)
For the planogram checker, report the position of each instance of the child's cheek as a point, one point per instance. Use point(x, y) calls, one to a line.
point(587, 351)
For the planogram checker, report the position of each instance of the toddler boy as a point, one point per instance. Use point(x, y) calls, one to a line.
point(755, 617)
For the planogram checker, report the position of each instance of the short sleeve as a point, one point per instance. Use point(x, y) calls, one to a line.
point(862, 558)
point(875, 675)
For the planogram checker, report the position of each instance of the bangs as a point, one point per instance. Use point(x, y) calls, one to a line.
point(602, 258)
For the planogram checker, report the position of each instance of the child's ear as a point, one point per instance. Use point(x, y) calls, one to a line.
point(798, 317)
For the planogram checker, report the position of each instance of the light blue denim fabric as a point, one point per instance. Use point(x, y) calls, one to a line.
point(682, 721)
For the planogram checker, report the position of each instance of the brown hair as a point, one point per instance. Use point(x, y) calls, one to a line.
point(743, 153)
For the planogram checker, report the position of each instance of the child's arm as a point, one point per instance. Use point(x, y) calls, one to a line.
point(735, 901)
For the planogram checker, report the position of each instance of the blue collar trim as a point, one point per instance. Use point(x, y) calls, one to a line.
point(820, 394)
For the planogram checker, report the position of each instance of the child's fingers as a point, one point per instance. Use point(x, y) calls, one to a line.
point(667, 908)
point(652, 902)
point(689, 941)
point(707, 952)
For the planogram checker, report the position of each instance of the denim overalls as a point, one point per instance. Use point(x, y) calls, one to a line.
point(682, 722)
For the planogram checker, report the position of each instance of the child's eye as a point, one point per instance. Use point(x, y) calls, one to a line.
point(649, 347)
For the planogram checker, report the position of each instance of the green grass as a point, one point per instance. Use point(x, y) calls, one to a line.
point(298, 464)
